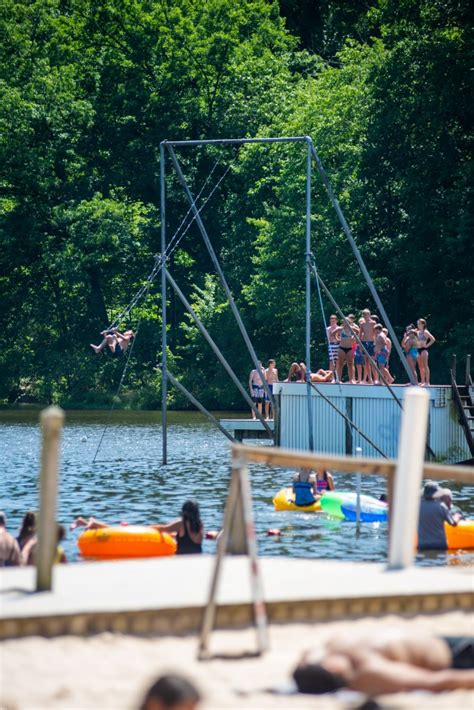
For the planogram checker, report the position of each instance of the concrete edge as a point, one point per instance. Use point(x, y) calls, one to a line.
point(176, 622)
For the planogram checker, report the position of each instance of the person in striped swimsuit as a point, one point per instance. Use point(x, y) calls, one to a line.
point(332, 334)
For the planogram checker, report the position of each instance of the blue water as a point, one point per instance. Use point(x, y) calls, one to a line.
point(128, 483)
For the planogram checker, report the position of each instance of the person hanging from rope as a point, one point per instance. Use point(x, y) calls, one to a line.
point(116, 342)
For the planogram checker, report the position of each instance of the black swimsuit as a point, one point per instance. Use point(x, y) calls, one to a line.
point(186, 545)
point(118, 352)
point(462, 651)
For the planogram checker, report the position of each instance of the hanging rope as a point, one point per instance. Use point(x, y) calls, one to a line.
point(144, 290)
point(124, 372)
point(326, 334)
point(171, 247)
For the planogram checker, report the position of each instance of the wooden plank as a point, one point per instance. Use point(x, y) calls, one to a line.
point(366, 465)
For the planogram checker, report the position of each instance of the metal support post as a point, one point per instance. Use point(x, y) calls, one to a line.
point(164, 344)
point(362, 265)
point(217, 352)
point(308, 293)
point(409, 472)
point(358, 453)
point(199, 406)
point(220, 272)
point(52, 420)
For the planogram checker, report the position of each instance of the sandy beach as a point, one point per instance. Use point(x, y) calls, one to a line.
point(112, 670)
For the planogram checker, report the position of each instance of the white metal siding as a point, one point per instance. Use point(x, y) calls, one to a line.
point(374, 411)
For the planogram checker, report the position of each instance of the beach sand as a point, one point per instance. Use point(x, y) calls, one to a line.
point(112, 670)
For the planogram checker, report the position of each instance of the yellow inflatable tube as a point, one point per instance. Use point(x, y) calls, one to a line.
point(285, 500)
point(460, 536)
point(124, 542)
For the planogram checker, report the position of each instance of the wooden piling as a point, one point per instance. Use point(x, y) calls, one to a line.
point(52, 420)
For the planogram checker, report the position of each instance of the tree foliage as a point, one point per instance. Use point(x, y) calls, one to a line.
point(89, 90)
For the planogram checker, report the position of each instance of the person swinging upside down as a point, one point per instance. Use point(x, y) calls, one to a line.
point(116, 342)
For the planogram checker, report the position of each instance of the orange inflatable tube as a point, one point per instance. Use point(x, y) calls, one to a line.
point(119, 543)
point(460, 536)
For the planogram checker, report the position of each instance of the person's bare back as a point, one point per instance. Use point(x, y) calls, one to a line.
point(388, 661)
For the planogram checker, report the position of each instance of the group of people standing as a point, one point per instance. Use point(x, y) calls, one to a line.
point(368, 359)
point(364, 348)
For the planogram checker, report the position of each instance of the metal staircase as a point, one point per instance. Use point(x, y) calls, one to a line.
point(463, 397)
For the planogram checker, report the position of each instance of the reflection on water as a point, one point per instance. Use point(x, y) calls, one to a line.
point(128, 483)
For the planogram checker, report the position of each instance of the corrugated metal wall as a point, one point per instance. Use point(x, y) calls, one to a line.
point(374, 411)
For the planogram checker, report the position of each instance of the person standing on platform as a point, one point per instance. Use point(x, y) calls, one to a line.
point(257, 392)
point(367, 336)
point(332, 336)
point(271, 377)
point(424, 341)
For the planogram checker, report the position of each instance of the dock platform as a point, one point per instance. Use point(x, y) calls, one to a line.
point(166, 596)
point(247, 428)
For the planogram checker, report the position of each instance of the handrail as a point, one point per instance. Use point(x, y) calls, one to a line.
point(461, 412)
point(351, 464)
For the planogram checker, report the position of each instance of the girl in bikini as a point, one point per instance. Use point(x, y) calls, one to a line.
point(424, 341)
point(346, 352)
point(381, 353)
point(409, 345)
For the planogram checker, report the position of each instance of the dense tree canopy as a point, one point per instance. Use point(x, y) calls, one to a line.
point(88, 90)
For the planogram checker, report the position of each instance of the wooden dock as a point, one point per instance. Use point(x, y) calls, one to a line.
point(247, 428)
point(167, 595)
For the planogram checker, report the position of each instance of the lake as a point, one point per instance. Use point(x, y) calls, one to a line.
point(128, 483)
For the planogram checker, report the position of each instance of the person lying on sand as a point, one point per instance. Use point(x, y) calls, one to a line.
point(389, 661)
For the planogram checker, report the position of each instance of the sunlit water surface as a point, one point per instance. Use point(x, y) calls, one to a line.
point(128, 483)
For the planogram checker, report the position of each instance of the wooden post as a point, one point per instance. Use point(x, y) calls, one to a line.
point(52, 420)
point(467, 378)
point(409, 472)
point(238, 537)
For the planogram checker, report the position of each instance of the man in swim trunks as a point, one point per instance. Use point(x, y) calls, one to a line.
point(367, 336)
point(332, 335)
point(388, 661)
point(257, 392)
point(271, 376)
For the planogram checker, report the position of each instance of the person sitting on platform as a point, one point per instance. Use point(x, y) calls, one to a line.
point(433, 514)
point(297, 373)
point(388, 661)
point(304, 487)
point(116, 342)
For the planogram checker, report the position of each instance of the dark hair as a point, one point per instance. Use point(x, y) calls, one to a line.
point(61, 532)
point(170, 690)
point(313, 678)
point(190, 513)
point(28, 525)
